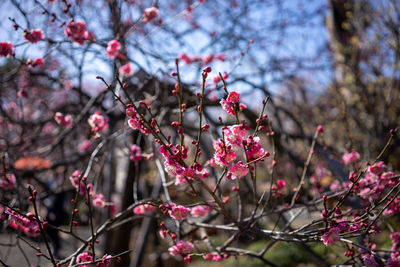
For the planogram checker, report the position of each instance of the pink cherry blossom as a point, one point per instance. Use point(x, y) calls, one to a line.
point(150, 14)
point(181, 248)
point(395, 241)
point(254, 148)
point(205, 60)
point(393, 262)
point(84, 146)
point(63, 120)
point(98, 200)
point(136, 123)
point(223, 155)
point(7, 181)
point(280, 184)
point(213, 257)
point(126, 70)
point(37, 62)
point(98, 122)
point(33, 36)
point(144, 208)
point(76, 31)
point(134, 152)
point(369, 261)
point(179, 212)
point(105, 261)
point(350, 158)
point(84, 257)
point(74, 179)
point(331, 236)
point(185, 58)
point(234, 135)
point(377, 168)
point(130, 112)
point(237, 170)
point(233, 97)
point(27, 223)
point(226, 105)
point(6, 49)
point(200, 211)
point(113, 48)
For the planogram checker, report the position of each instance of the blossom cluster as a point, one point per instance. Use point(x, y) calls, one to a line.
point(76, 30)
point(63, 120)
point(113, 48)
point(6, 49)
point(98, 122)
point(374, 184)
point(76, 180)
point(27, 223)
point(86, 257)
point(34, 36)
point(150, 14)
point(135, 121)
point(7, 181)
point(205, 60)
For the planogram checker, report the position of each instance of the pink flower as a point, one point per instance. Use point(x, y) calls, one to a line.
point(200, 211)
point(207, 59)
point(150, 13)
point(134, 152)
point(7, 181)
point(216, 79)
point(63, 120)
point(234, 135)
point(395, 241)
point(136, 123)
point(163, 234)
point(144, 208)
point(105, 261)
point(112, 49)
point(179, 212)
point(237, 170)
point(233, 97)
point(22, 93)
point(254, 148)
point(173, 167)
point(126, 70)
point(98, 200)
point(130, 112)
point(220, 57)
point(369, 261)
point(74, 179)
point(33, 36)
point(331, 237)
point(377, 168)
point(84, 257)
point(392, 262)
point(213, 257)
point(226, 105)
point(223, 156)
point(98, 122)
point(76, 31)
point(37, 62)
point(350, 158)
point(187, 59)
point(280, 184)
point(181, 248)
point(6, 49)
point(84, 146)
point(26, 223)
